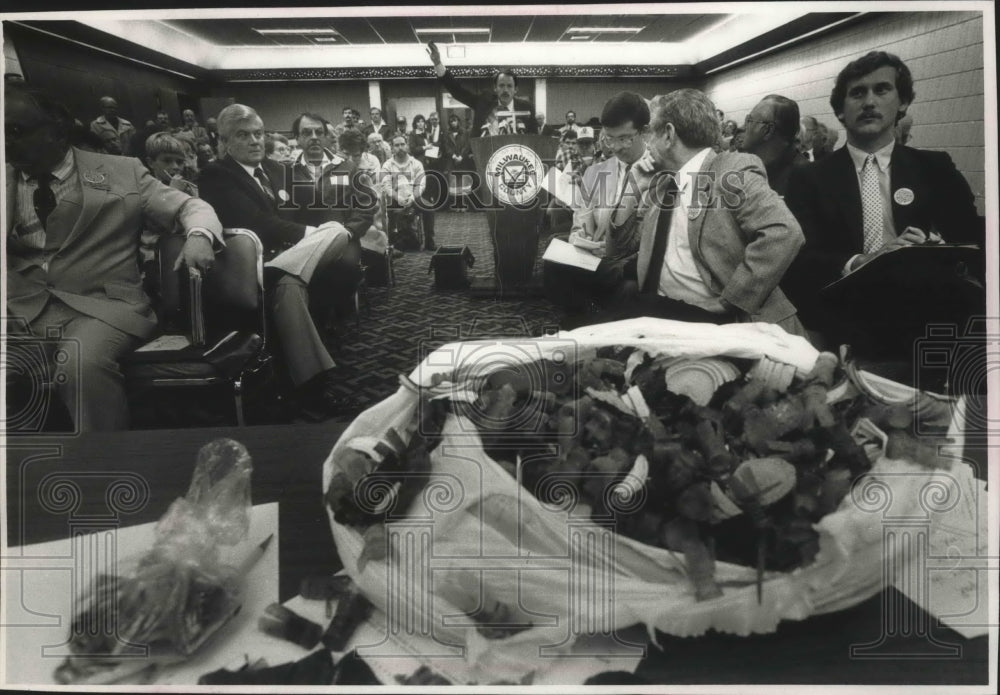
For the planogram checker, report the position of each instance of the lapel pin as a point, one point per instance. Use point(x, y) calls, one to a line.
point(693, 213)
point(283, 194)
point(94, 178)
point(903, 196)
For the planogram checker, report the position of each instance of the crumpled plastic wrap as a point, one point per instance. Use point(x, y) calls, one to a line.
point(165, 604)
point(475, 539)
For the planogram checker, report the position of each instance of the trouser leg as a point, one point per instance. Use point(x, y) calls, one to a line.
point(300, 344)
point(86, 372)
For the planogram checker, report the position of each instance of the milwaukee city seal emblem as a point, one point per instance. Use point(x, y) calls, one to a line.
point(514, 172)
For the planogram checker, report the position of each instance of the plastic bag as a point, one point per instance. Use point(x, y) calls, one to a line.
point(165, 604)
point(477, 567)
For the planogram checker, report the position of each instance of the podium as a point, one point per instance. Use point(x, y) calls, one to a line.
point(511, 170)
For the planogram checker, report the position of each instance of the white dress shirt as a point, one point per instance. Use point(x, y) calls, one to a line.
point(679, 276)
point(883, 158)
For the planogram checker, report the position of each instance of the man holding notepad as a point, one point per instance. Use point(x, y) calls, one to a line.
point(604, 217)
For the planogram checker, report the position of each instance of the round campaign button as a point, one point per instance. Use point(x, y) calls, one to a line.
point(903, 196)
point(283, 195)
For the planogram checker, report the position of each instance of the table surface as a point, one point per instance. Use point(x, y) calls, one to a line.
point(288, 463)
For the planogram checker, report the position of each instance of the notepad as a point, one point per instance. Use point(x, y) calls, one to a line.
point(166, 342)
point(561, 252)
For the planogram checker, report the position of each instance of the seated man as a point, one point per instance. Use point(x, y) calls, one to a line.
point(251, 192)
point(870, 197)
point(771, 129)
point(604, 221)
point(401, 181)
point(715, 239)
point(72, 256)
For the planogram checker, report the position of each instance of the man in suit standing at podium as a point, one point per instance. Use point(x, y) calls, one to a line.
point(501, 98)
point(874, 195)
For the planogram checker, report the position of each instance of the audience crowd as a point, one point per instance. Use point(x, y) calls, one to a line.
point(693, 216)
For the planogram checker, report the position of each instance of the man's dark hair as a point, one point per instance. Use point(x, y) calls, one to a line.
point(867, 63)
point(623, 108)
point(786, 116)
point(310, 115)
point(501, 73)
point(352, 140)
point(57, 113)
point(569, 134)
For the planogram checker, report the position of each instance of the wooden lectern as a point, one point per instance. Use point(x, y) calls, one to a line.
point(512, 168)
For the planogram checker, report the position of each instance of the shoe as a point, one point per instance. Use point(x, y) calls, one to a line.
point(319, 400)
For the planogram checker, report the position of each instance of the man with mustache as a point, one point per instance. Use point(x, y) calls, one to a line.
point(873, 195)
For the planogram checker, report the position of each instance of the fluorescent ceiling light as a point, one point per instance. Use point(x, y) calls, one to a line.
point(604, 30)
point(298, 32)
point(578, 38)
point(454, 30)
point(325, 39)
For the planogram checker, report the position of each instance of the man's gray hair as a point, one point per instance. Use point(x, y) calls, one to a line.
point(692, 114)
point(230, 116)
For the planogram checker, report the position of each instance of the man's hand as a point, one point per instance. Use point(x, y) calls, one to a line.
point(435, 54)
point(909, 237)
point(196, 254)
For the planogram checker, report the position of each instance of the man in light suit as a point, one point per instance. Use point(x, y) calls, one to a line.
point(715, 240)
point(73, 225)
point(251, 192)
point(604, 217)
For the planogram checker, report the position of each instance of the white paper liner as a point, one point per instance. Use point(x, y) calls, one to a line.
point(477, 516)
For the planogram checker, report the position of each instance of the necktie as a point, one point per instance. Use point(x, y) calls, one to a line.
point(44, 199)
point(871, 205)
point(616, 217)
point(265, 182)
point(652, 282)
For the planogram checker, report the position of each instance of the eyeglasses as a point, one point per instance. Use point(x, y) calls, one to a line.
point(620, 140)
point(749, 120)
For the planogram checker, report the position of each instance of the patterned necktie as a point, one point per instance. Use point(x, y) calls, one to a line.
point(871, 205)
point(669, 201)
point(616, 216)
point(265, 182)
point(44, 199)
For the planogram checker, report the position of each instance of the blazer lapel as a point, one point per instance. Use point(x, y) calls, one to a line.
point(847, 196)
point(701, 199)
point(903, 182)
point(95, 181)
point(247, 181)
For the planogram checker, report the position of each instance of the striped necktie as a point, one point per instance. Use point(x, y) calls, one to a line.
point(265, 182)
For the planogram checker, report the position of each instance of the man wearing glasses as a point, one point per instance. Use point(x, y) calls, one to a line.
point(72, 247)
point(604, 217)
point(771, 128)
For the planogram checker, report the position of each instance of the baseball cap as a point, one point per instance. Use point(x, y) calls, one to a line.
point(585, 133)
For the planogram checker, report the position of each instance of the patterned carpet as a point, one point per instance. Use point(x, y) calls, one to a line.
point(413, 317)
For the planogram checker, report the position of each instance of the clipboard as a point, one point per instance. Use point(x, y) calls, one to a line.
point(920, 267)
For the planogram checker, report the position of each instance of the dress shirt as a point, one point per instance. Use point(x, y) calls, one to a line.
point(250, 172)
point(883, 158)
point(679, 276)
point(28, 228)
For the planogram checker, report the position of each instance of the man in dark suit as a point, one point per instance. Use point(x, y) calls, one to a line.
point(501, 98)
point(771, 128)
point(73, 223)
point(873, 195)
point(250, 191)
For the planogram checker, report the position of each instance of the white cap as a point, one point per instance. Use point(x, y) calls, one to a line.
point(585, 133)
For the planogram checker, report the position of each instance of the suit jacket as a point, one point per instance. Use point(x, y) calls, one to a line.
point(455, 143)
point(781, 172)
point(482, 104)
point(342, 194)
point(96, 269)
point(742, 236)
point(240, 202)
point(825, 197)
